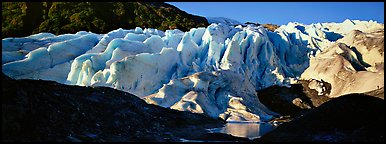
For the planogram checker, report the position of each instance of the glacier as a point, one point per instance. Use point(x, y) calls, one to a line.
point(223, 20)
point(212, 70)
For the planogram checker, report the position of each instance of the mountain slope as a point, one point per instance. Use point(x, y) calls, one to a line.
point(354, 64)
point(26, 18)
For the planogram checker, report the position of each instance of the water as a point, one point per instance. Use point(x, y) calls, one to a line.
point(245, 129)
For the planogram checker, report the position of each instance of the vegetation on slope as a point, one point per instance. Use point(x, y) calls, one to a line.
point(25, 18)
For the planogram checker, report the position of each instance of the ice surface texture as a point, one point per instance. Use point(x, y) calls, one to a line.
point(214, 70)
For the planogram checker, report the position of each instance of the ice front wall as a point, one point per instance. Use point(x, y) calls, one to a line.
point(214, 70)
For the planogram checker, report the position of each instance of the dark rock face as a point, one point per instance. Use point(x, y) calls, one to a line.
point(283, 100)
point(349, 118)
point(290, 101)
point(316, 99)
point(35, 110)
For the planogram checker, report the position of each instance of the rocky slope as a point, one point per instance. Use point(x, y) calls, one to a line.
point(349, 118)
point(289, 101)
point(41, 111)
point(350, 63)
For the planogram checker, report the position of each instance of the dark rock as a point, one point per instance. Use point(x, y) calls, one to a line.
point(222, 137)
point(316, 99)
point(349, 118)
point(292, 100)
point(280, 99)
point(36, 110)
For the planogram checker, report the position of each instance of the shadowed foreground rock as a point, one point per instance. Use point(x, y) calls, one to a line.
point(289, 101)
point(35, 110)
point(349, 118)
